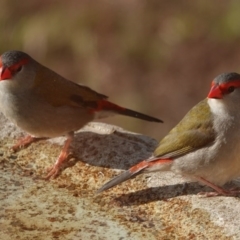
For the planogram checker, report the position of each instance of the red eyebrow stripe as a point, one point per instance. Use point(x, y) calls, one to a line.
point(24, 61)
point(225, 86)
point(18, 64)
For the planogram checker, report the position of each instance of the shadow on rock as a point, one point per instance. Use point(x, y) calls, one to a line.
point(118, 150)
point(164, 193)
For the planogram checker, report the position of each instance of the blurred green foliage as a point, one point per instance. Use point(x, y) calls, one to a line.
point(154, 56)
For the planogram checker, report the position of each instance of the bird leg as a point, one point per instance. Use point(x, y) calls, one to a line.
point(25, 142)
point(219, 190)
point(54, 170)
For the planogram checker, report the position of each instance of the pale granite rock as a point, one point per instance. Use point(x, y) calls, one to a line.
point(153, 206)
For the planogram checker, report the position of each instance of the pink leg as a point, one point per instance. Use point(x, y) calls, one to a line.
point(54, 170)
point(24, 142)
point(219, 191)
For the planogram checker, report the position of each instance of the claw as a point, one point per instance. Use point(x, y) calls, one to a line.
point(219, 190)
point(225, 193)
point(25, 142)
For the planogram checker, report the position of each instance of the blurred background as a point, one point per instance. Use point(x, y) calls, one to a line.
point(154, 56)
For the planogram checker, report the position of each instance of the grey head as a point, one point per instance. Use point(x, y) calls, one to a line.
point(226, 78)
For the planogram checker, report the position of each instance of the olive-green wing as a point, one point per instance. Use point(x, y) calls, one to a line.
point(58, 91)
point(193, 132)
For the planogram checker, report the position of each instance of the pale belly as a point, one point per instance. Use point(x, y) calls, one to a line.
point(40, 119)
point(218, 164)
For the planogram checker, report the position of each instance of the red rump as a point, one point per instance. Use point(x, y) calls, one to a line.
point(159, 161)
point(105, 105)
point(139, 167)
point(145, 164)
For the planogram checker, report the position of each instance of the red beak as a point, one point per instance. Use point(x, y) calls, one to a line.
point(215, 92)
point(5, 73)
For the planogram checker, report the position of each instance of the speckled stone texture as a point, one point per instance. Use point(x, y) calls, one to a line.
point(151, 206)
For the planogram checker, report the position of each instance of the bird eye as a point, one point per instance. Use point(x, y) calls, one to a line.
point(231, 89)
point(19, 69)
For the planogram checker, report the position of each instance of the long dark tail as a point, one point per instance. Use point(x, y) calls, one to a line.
point(152, 164)
point(132, 172)
point(104, 105)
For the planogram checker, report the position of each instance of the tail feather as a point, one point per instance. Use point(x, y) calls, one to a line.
point(132, 172)
point(152, 164)
point(104, 105)
point(131, 113)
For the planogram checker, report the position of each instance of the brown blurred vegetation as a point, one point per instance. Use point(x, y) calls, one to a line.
point(154, 56)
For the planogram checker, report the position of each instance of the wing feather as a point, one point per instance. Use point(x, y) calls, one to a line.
point(63, 91)
point(193, 132)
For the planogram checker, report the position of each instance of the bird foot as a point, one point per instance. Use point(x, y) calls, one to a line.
point(63, 157)
point(25, 142)
point(219, 191)
point(53, 171)
point(227, 193)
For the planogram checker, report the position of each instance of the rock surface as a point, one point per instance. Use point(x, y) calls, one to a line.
point(152, 206)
